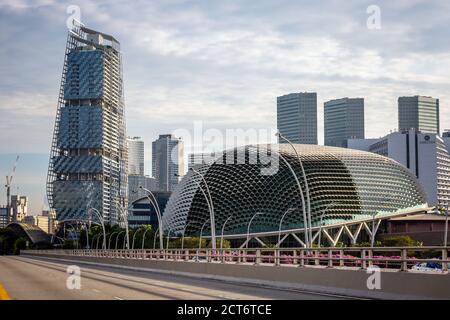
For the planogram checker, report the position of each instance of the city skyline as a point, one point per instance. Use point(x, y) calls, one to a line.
point(228, 78)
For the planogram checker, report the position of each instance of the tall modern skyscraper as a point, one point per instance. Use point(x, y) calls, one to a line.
point(419, 113)
point(297, 117)
point(88, 159)
point(344, 119)
point(167, 161)
point(135, 155)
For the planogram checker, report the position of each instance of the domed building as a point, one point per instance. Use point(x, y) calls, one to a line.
point(278, 186)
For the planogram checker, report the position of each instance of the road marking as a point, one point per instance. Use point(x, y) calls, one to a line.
point(3, 294)
point(118, 298)
point(95, 290)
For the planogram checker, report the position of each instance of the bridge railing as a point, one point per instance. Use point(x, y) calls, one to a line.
point(389, 258)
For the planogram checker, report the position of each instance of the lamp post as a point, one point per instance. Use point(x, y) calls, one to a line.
point(182, 237)
point(125, 221)
point(117, 238)
point(211, 207)
point(305, 219)
point(321, 219)
point(304, 179)
point(281, 221)
point(151, 197)
point(110, 237)
point(201, 234)
point(223, 228)
point(248, 227)
point(92, 241)
point(446, 227)
point(98, 238)
point(102, 221)
point(154, 239)
point(134, 236)
point(168, 238)
point(143, 238)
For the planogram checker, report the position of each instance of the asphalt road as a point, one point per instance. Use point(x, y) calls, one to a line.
point(39, 278)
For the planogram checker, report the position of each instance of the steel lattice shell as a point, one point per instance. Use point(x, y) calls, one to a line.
point(357, 183)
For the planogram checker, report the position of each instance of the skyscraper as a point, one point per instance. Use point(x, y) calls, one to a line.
point(343, 119)
point(167, 161)
point(419, 113)
point(135, 155)
point(87, 166)
point(297, 117)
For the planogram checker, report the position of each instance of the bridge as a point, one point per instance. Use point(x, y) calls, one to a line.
point(369, 273)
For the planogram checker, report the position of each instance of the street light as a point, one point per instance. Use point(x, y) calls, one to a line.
point(125, 220)
point(304, 179)
point(92, 241)
point(98, 238)
point(102, 221)
point(134, 236)
point(117, 238)
point(201, 234)
point(248, 227)
point(321, 219)
point(446, 227)
point(154, 239)
point(223, 228)
point(211, 208)
point(168, 238)
point(182, 237)
point(110, 237)
point(307, 243)
point(281, 221)
point(143, 237)
point(158, 214)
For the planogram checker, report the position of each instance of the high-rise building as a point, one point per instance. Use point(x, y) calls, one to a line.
point(419, 113)
point(41, 221)
point(135, 155)
point(425, 155)
point(88, 160)
point(167, 161)
point(196, 159)
point(19, 207)
point(5, 216)
point(297, 117)
point(343, 119)
point(134, 184)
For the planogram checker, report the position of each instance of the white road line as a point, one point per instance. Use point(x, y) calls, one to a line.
point(118, 298)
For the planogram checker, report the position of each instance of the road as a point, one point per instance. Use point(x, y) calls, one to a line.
point(45, 279)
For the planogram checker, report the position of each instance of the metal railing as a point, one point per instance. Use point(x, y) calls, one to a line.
point(387, 258)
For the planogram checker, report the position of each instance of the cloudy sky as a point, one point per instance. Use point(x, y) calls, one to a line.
point(222, 62)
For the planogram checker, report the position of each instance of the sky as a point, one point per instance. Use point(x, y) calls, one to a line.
point(219, 62)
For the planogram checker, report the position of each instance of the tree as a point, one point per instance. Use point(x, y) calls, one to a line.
point(19, 244)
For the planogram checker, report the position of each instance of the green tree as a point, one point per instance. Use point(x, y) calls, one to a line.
point(19, 244)
point(401, 241)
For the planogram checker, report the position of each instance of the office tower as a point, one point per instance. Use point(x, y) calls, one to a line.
point(419, 113)
point(425, 155)
point(343, 119)
point(87, 165)
point(196, 159)
point(19, 207)
point(134, 184)
point(167, 161)
point(135, 155)
point(297, 117)
point(5, 216)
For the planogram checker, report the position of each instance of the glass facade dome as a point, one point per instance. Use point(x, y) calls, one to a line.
point(343, 185)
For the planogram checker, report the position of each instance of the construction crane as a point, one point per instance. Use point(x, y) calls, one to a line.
point(8, 184)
